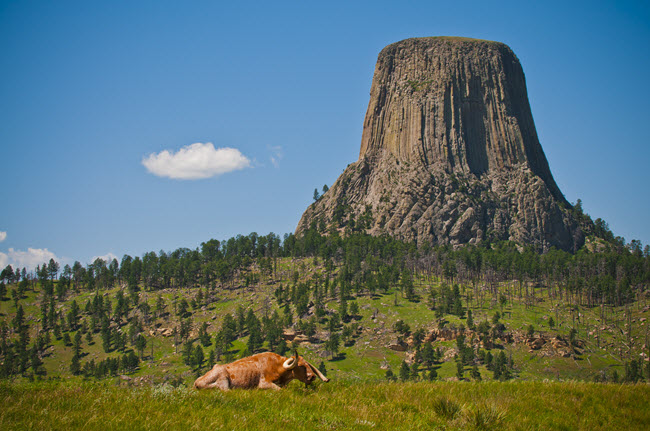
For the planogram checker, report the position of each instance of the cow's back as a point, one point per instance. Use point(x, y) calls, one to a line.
point(244, 373)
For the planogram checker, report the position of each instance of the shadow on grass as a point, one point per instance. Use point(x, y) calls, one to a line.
point(339, 357)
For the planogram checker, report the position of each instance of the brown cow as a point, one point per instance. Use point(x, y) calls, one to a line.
point(265, 370)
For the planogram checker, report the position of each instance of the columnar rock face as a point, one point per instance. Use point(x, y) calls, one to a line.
point(449, 153)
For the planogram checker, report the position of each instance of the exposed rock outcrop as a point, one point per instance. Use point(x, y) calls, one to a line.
point(449, 154)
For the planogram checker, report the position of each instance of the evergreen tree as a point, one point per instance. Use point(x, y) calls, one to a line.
point(240, 319)
point(182, 309)
point(203, 335)
point(475, 374)
point(470, 320)
point(187, 354)
point(322, 368)
point(160, 306)
point(75, 365)
point(499, 367)
point(414, 372)
point(282, 347)
point(273, 330)
point(106, 339)
point(140, 344)
point(36, 363)
point(19, 319)
point(332, 344)
point(404, 372)
point(460, 369)
point(458, 307)
point(428, 354)
point(255, 336)
point(198, 357)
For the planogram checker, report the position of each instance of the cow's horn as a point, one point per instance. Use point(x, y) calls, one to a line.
point(290, 363)
point(318, 373)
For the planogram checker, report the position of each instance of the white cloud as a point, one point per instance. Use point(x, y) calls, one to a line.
point(108, 258)
point(195, 161)
point(276, 156)
point(3, 236)
point(28, 259)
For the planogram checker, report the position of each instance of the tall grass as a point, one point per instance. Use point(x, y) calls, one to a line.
point(337, 405)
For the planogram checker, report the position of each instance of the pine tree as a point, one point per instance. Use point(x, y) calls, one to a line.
point(282, 347)
point(187, 354)
point(203, 335)
point(354, 309)
point(414, 371)
point(19, 319)
point(404, 372)
point(428, 354)
point(460, 369)
point(240, 319)
point(470, 320)
point(75, 365)
point(141, 344)
point(35, 362)
point(322, 368)
point(475, 374)
point(333, 343)
point(76, 346)
point(198, 356)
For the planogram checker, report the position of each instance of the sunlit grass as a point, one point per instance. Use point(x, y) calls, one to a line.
point(338, 405)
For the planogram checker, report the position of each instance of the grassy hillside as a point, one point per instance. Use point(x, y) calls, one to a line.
point(605, 337)
point(338, 405)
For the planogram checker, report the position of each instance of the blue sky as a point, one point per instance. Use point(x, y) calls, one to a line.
point(91, 89)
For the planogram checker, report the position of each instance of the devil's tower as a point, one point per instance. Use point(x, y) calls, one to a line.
point(449, 153)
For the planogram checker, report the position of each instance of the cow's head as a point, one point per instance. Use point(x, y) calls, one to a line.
point(303, 370)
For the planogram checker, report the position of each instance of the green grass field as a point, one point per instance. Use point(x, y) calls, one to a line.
point(337, 405)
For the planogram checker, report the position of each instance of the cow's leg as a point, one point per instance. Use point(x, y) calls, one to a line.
point(268, 385)
point(222, 383)
point(215, 378)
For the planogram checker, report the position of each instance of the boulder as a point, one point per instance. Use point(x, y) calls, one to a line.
point(398, 345)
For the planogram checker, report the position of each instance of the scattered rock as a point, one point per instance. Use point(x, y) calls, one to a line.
point(398, 345)
point(536, 343)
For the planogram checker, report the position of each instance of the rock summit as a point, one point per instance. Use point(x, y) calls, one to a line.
point(449, 154)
